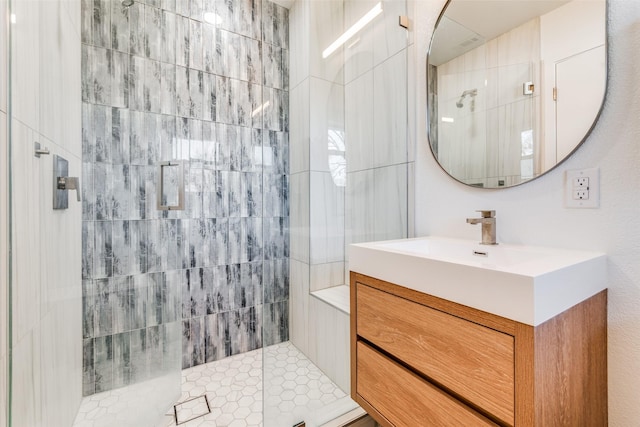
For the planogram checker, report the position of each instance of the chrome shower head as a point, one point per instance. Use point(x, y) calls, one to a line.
point(127, 3)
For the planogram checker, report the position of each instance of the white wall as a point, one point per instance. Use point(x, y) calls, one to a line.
point(46, 305)
point(534, 214)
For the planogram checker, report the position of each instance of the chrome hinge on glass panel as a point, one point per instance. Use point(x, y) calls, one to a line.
point(170, 186)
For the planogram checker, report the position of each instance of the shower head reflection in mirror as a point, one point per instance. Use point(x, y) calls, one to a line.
point(471, 92)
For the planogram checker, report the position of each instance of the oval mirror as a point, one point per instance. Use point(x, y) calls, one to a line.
point(514, 86)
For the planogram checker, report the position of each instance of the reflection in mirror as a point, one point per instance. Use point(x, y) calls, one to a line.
point(514, 86)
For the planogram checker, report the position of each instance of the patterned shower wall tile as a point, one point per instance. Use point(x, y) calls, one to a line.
point(122, 259)
point(121, 360)
point(182, 92)
point(276, 238)
point(139, 367)
point(275, 327)
point(153, 32)
point(233, 284)
point(216, 327)
point(168, 89)
point(103, 323)
point(251, 239)
point(88, 308)
point(86, 21)
point(136, 83)
point(155, 285)
point(103, 363)
point(228, 43)
point(152, 85)
point(196, 8)
point(102, 133)
point(223, 100)
point(138, 301)
point(232, 183)
point(169, 147)
point(120, 136)
point(171, 296)
point(196, 283)
point(195, 44)
point(182, 39)
point(276, 152)
point(250, 284)
point(252, 159)
point(153, 137)
point(139, 246)
point(101, 23)
point(119, 71)
point(120, 32)
point(273, 72)
point(169, 5)
point(138, 192)
point(103, 254)
point(274, 113)
point(209, 97)
point(136, 29)
point(222, 290)
point(242, 330)
point(137, 140)
point(251, 190)
point(193, 342)
point(88, 192)
point(88, 249)
point(275, 24)
point(167, 40)
point(243, 96)
point(121, 301)
point(88, 135)
point(120, 203)
point(209, 54)
point(88, 371)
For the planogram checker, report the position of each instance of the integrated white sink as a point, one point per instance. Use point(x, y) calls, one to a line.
point(523, 283)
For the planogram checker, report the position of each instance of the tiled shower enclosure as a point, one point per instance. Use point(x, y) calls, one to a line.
point(204, 82)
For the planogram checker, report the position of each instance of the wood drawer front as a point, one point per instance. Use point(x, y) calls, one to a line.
point(474, 362)
point(404, 398)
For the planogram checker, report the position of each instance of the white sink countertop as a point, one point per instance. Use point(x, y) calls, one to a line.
point(527, 284)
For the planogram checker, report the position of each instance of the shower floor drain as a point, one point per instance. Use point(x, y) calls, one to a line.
point(191, 409)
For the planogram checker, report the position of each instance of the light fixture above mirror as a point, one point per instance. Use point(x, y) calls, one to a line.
point(514, 86)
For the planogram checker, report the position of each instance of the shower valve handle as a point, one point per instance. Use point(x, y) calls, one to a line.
point(69, 183)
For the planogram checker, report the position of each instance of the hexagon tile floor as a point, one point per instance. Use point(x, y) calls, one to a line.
point(229, 393)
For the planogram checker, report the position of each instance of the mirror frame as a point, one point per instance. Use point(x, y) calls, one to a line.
point(578, 145)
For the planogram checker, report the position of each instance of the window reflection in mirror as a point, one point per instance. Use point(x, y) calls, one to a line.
point(514, 86)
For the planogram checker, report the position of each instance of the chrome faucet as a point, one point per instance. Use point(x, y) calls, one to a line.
point(488, 222)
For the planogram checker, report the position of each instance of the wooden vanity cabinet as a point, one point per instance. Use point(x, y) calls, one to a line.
point(418, 360)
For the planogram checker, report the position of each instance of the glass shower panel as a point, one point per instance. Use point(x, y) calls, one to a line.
point(348, 169)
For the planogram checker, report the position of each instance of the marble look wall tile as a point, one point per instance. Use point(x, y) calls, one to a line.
point(299, 303)
point(86, 22)
point(325, 26)
point(390, 218)
point(327, 219)
point(388, 37)
point(360, 207)
point(358, 118)
point(390, 111)
point(326, 124)
point(299, 42)
point(326, 275)
point(299, 216)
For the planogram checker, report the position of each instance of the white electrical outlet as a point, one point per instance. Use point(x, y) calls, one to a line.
point(582, 188)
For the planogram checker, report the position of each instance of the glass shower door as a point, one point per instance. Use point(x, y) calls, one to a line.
point(92, 314)
point(348, 183)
